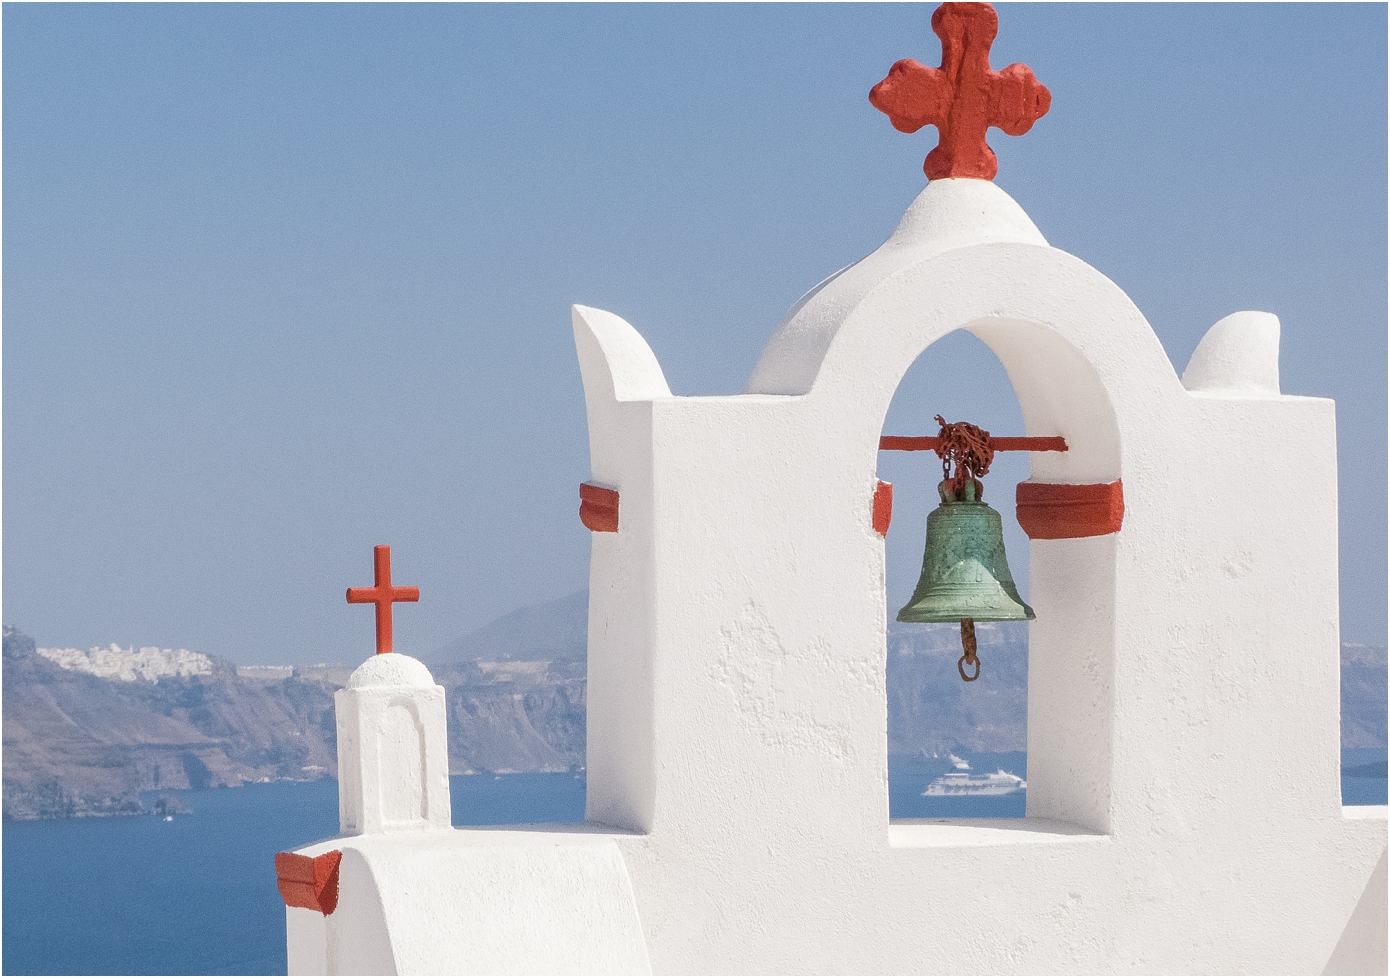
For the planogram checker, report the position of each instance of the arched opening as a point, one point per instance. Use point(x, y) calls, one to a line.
point(937, 722)
point(1041, 710)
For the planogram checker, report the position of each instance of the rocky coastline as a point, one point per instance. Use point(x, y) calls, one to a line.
point(86, 733)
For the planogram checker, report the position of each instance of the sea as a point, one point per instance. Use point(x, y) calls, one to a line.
point(195, 895)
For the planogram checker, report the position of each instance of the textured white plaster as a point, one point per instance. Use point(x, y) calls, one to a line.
point(306, 942)
point(1362, 948)
point(1239, 355)
point(1179, 670)
point(909, 833)
point(479, 902)
point(393, 761)
point(391, 669)
point(618, 726)
point(358, 934)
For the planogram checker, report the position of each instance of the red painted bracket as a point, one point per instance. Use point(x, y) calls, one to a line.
point(310, 882)
point(598, 508)
point(1062, 512)
point(883, 507)
point(930, 443)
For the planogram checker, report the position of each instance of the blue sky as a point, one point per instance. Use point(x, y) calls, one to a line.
point(284, 282)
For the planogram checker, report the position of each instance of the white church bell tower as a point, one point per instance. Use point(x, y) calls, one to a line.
point(737, 809)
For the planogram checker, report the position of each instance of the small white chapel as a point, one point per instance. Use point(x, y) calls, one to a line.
point(1186, 621)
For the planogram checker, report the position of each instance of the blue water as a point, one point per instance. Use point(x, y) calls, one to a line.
point(197, 895)
point(1361, 790)
point(909, 776)
point(143, 896)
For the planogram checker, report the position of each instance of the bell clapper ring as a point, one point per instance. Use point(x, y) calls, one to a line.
point(967, 642)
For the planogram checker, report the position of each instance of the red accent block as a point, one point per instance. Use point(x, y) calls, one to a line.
point(598, 508)
point(310, 882)
point(1061, 512)
point(964, 97)
point(883, 507)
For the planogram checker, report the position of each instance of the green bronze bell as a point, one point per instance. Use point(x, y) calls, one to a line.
point(964, 572)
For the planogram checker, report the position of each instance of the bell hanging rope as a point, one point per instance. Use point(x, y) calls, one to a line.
point(965, 574)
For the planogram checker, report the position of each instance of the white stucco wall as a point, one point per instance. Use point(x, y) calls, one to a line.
point(1184, 808)
point(393, 748)
point(1179, 670)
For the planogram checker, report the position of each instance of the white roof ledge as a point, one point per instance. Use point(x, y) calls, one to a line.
point(947, 215)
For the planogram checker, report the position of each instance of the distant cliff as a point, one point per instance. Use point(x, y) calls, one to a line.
point(930, 708)
point(516, 690)
point(77, 742)
point(1363, 695)
point(515, 716)
point(85, 732)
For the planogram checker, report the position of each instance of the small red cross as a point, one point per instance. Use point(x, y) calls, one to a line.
point(382, 595)
point(963, 97)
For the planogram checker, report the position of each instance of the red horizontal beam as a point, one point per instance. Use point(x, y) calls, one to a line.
point(897, 443)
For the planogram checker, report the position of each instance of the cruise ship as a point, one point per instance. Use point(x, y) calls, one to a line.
point(962, 781)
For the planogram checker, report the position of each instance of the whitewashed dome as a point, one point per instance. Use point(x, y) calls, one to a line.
point(390, 669)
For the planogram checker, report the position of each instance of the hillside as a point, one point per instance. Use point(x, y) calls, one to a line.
point(516, 690)
point(1363, 695)
point(76, 743)
point(930, 709)
point(86, 739)
point(556, 630)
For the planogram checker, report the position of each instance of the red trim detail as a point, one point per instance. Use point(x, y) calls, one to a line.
point(310, 882)
point(930, 443)
point(598, 508)
point(1062, 512)
point(964, 97)
point(382, 595)
point(883, 507)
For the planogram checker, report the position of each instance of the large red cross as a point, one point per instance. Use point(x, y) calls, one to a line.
point(382, 595)
point(963, 97)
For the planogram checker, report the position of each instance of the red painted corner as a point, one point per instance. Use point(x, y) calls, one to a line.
point(310, 882)
point(883, 507)
point(598, 508)
point(1062, 512)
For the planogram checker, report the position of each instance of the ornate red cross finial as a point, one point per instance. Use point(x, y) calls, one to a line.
point(382, 595)
point(964, 97)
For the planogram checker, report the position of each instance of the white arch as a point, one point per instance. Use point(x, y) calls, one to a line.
point(737, 638)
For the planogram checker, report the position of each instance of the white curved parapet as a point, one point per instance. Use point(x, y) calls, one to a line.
point(615, 360)
point(393, 758)
point(947, 215)
point(1238, 355)
point(535, 901)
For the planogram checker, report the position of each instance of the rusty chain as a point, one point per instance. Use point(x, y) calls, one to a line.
point(967, 447)
point(967, 641)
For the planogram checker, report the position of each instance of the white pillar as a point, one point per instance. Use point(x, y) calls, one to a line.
point(393, 758)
